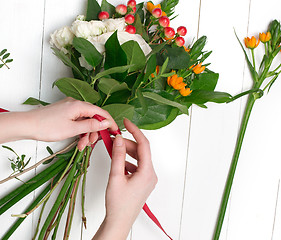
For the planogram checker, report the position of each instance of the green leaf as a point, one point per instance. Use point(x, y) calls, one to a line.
point(205, 81)
point(9, 60)
point(112, 71)
point(139, 11)
point(77, 89)
point(197, 47)
point(164, 66)
point(142, 101)
point(140, 28)
point(93, 10)
point(6, 56)
point(109, 85)
point(157, 115)
point(150, 67)
point(251, 68)
point(50, 151)
point(119, 112)
point(8, 148)
point(178, 57)
point(160, 99)
point(106, 6)
point(203, 96)
point(67, 61)
point(34, 101)
point(1, 65)
point(3, 51)
point(88, 50)
point(135, 55)
point(115, 56)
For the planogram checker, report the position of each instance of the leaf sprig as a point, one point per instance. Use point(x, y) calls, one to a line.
point(17, 164)
point(4, 58)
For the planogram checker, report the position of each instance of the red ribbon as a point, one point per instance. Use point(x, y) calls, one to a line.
point(105, 135)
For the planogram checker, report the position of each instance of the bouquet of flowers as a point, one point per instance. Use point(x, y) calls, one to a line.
point(130, 62)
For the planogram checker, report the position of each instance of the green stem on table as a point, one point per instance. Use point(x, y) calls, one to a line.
point(86, 163)
point(39, 220)
point(61, 195)
point(14, 227)
point(71, 209)
point(223, 206)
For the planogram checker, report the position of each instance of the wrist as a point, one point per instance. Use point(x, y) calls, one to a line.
point(113, 229)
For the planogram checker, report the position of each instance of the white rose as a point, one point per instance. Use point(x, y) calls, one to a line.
point(61, 38)
point(115, 24)
point(123, 37)
point(86, 29)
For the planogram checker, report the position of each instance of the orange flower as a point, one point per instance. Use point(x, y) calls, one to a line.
point(198, 68)
point(176, 82)
point(157, 71)
point(251, 42)
point(185, 91)
point(150, 6)
point(265, 37)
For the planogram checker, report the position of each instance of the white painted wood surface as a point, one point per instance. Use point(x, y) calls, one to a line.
point(192, 155)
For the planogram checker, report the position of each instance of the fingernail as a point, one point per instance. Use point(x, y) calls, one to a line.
point(105, 124)
point(118, 140)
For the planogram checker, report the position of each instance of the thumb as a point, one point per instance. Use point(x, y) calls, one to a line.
point(118, 156)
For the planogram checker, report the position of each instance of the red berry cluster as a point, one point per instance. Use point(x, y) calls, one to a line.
point(169, 32)
point(122, 10)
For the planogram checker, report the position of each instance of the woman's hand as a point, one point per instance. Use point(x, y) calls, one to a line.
point(126, 194)
point(55, 122)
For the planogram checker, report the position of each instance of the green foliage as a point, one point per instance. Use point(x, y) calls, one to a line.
point(34, 101)
point(106, 6)
point(88, 50)
point(168, 6)
point(93, 10)
point(77, 89)
point(19, 163)
point(4, 58)
point(115, 56)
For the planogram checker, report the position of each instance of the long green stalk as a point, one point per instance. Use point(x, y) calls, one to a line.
point(61, 195)
point(244, 123)
point(31, 206)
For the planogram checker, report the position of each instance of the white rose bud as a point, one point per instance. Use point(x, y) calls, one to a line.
point(61, 38)
point(115, 24)
point(86, 29)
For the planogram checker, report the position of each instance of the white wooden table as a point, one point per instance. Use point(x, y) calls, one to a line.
point(192, 155)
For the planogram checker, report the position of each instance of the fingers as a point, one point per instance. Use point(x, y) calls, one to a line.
point(131, 167)
point(143, 148)
point(118, 156)
point(88, 110)
point(90, 125)
point(131, 148)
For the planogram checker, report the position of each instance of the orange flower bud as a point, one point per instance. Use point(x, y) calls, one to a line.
point(251, 42)
point(185, 91)
point(198, 68)
point(265, 37)
point(150, 6)
point(186, 49)
point(157, 71)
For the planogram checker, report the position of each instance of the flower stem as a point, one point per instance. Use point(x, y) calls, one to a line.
point(244, 123)
point(253, 56)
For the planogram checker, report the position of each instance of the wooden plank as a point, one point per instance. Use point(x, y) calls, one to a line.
point(254, 192)
point(213, 131)
point(21, 34)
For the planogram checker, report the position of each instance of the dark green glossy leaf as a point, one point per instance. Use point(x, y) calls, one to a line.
point(109, 85)
point(106, 6)
point(150, 67)
point(112, 71)
point(139, 28)
point(135, 55)
point(3, 52)
point(88, 50)
point(6, 56)
point(119, 112)
point(9, 60)
point(93, 10)
point(34, 101)
point(115, 56)
point(205, 81)
point(77, 89)
point(140, 11)
point(203, 96)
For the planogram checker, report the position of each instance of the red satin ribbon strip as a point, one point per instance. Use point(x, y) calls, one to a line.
point(105, 135)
